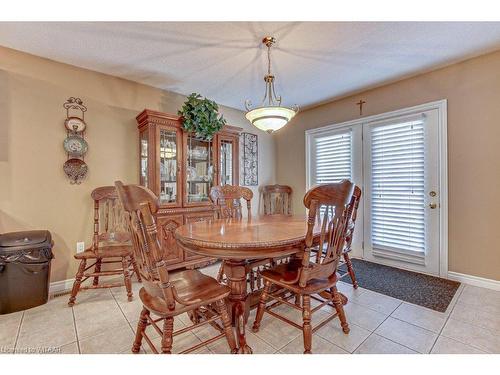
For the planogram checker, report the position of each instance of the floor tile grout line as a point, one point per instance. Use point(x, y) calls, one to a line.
point(271, 345)
point(447, 318)
point(372, 332)
point(404, 321)
point(398, 343)
point(126, 319)
point(417, 326)
point(455, 339)
point(469, 322)
point(351, 324)
point(121, 310)
point(18, 331)
point(372, 309)
point(76, 331)
point(387, 338)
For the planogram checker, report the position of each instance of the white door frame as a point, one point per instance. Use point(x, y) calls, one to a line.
point(441, 107)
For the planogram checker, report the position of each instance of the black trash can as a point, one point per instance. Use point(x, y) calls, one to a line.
point(25, 259)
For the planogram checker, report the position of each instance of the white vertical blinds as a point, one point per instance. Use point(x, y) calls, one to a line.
point(397, 183)
point(333, 157)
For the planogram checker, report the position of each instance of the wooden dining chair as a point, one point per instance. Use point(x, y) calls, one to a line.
point(226, 200)
point(352, 214)
point(316, 271)
point(276, 199)
point(167, 295)
point(110, 245)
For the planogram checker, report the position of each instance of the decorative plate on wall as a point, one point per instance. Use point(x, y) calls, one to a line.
point(75, 169)
point(75, 145)
point(75, 124)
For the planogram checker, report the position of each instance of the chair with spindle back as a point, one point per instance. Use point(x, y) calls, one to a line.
point(110, 245)
point(276, 199)
point(227, 201)
point(316, 271)
point(167, 295)
point(352, 214)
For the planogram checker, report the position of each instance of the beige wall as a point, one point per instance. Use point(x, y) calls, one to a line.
point(472, 89)
point(34, 192)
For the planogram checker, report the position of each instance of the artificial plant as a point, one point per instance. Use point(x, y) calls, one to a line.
point(201, 116)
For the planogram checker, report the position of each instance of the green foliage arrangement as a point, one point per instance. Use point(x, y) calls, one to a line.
point(201, 116)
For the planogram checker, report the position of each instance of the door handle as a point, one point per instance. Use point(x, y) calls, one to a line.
point(432, 206)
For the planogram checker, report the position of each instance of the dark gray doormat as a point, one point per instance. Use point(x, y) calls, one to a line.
point(424, 290)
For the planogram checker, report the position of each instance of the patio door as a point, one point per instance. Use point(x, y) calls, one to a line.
point(401, 191)
point(399, 161)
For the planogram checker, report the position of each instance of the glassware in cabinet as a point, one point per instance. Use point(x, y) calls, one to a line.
point(168, 155)
point(199, 170)
point(144, 158)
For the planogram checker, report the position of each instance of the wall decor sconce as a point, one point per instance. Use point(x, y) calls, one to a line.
point(75, 144)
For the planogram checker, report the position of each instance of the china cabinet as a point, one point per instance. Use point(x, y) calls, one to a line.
point(181, 169)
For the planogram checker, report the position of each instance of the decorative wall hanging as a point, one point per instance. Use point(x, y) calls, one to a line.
point(75, 144)
point(249, 159)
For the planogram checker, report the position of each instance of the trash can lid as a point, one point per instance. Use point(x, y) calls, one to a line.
point(24, 238)
point(26, 247)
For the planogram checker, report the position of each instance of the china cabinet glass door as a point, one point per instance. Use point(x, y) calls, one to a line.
point(200, 174)
point(228, 163)
point(144, 180)
point(169, 155)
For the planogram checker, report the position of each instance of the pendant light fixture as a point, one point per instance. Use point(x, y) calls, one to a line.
point(270, 116)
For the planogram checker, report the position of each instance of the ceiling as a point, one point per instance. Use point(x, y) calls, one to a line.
point(313, 61)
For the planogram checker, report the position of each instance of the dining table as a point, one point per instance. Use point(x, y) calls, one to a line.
point(238, 242)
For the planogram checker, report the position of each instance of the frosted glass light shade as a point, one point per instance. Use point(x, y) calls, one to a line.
point(270, 119)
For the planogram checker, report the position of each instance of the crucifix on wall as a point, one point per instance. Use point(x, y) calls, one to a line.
point(360, 103)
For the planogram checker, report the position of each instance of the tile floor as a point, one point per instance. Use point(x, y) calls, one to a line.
point(103, 321)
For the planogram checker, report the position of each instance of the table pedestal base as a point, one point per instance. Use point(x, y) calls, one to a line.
point(235, 271)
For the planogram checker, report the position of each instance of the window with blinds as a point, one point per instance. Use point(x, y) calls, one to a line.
point(397, 183)
point(332, 157)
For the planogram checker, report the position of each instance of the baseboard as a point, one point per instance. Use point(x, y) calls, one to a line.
point(60, 287)
point(474, 280)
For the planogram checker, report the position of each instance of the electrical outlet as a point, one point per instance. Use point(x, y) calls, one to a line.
point(80, 247)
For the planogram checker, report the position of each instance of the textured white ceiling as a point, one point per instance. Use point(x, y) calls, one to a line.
point(313, 61)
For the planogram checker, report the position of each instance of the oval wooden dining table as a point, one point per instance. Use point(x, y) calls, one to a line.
point(239, 241)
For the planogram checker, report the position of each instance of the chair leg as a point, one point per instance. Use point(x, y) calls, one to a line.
point(226, 322)
point(306, 326)
point(297, 299)
point(251, 279)
point(167, 338)
point(262, 306)
point(141, 327)
point(126, 277)
point(337, 302)
point(78, 282)
point(350, 269)
point(136, 269)
point(97, 269)
point(220, 274)
point(194, 316)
